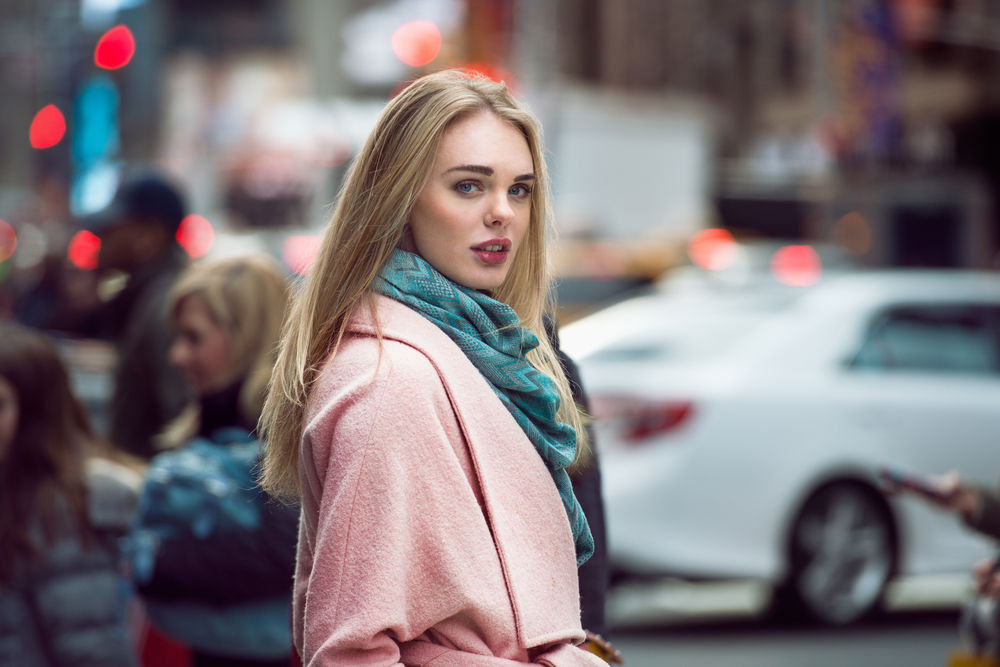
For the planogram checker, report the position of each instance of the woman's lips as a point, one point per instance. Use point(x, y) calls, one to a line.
point(493, 251)
point(491, 256)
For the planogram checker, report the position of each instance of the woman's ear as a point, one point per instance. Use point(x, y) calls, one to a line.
point(406, 240)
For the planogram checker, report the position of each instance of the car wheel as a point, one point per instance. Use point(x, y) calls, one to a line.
point(843, 553)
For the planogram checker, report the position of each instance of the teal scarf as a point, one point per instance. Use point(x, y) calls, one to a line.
point(491, 336)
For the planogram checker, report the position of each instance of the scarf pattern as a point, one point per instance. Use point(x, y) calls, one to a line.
point(492, 337)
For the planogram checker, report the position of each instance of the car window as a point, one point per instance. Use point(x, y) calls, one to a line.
point(957, 339)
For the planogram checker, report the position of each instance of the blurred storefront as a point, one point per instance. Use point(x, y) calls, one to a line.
point(869, 123)
point(879, 111)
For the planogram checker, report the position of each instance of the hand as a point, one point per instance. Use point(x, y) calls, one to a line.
point(987, 578)
point(602, 648)
point(957, 496)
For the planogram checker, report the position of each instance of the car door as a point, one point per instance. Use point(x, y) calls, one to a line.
point(925, 384)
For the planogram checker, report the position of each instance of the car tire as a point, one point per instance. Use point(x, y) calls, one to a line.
point(842, 553)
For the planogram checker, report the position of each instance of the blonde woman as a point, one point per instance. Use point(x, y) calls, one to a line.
point(417, 409)
point(220, 576)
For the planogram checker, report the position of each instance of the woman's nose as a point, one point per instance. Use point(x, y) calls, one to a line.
point(177, 354)
point(500, 212)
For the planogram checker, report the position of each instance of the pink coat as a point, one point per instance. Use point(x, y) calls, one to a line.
point(432, 533)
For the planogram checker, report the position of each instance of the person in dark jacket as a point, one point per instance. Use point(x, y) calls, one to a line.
point(138, 240)
point(226, 318)
point(61, 602)
point(586, 479)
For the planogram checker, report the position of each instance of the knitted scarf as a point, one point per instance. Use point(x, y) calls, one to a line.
point(492, 337)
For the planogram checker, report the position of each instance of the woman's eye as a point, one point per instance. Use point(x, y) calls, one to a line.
point(466, 187)
point(520, 191)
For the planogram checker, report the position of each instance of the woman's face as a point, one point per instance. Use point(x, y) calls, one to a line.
point(9, 412)
point(200, 347)
point(469, 220)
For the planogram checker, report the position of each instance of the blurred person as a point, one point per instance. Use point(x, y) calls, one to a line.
point(64, 500)
point(213, 557)
point(419, 411)
point(137, 232)
point(63, 298)
point(585, 475)
point(979, 507)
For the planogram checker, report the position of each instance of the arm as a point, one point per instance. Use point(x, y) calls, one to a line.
point(985, 516)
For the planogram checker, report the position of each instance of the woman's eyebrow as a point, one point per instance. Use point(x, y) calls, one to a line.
point(477, 168)
point(486, 171)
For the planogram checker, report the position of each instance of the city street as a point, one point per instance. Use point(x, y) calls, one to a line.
point(911, 639)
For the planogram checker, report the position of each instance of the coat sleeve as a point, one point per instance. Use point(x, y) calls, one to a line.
point(401, 543)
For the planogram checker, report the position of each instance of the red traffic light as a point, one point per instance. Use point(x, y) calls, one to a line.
point(83, 250)
point(115, 48)
point(47, 128)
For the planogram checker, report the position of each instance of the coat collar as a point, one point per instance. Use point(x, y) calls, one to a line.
point(525, 512)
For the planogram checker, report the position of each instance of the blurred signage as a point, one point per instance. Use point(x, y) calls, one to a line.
point(866, 74)
point(99, 14)
point(95, 144)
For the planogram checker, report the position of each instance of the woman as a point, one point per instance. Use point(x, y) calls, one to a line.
point(60, 594)
point(219, 579)
point(419, 411)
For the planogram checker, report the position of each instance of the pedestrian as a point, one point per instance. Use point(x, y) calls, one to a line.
point(61, 597)
point(979, 507)
point(418, 409)
point(213, 557)
point(138, 242)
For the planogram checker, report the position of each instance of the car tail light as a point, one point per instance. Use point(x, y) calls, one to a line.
point(637, 420)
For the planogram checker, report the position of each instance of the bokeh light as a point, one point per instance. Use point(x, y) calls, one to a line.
point(495, 73)
point(416, 43)
point(853, 234)
point(299, 253)
point(47, 128)
point(83, 250)
point(8, 241)
point(797, 265)
point(196, 235)
point(115, 48)
point(713, 249)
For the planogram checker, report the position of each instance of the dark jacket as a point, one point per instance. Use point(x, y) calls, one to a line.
point(586, 479)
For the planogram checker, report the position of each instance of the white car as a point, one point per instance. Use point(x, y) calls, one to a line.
point(741, 432)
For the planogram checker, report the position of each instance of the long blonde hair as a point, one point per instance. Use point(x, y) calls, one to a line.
point(247, 297)
point(374, 206)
